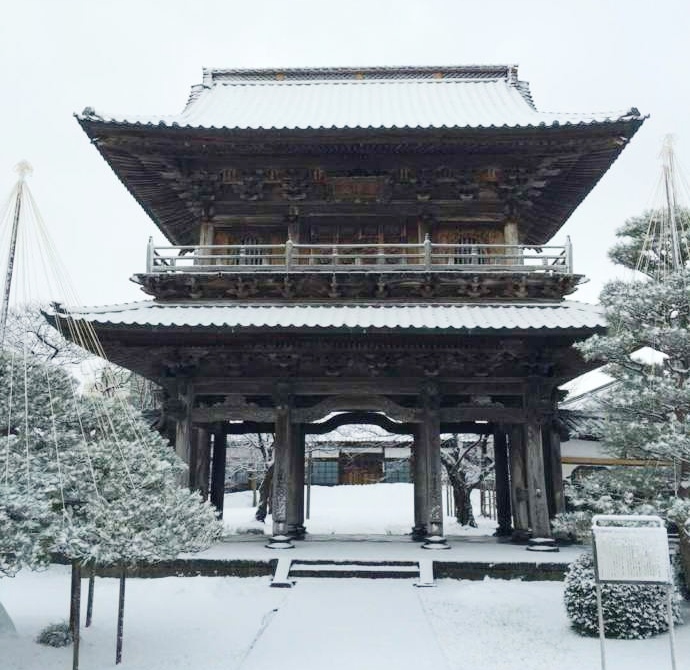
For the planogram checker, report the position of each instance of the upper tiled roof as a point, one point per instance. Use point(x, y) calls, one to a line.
point(465, 317)
point(342, 98)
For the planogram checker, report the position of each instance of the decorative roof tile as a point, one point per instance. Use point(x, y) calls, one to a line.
point(349, 98)
point(465, 317)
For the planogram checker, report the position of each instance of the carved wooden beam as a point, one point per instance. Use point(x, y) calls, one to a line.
point(340, 403)
point(220, 413)
point(359, 417)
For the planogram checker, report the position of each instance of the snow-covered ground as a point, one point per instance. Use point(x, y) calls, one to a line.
point(230, 623)
point(376, 509)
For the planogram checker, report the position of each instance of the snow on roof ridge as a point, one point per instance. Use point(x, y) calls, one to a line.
point(504, 71)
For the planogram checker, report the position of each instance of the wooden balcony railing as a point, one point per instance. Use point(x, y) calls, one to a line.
point(425, 257)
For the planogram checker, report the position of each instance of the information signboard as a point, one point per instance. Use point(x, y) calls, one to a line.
point(631, 549)
point(632, 554)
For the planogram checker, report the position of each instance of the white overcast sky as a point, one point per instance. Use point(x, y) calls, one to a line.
point(142, 56)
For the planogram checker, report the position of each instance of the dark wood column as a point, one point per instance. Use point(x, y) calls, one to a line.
point(183, 429)
point(295, 508)
point(556, 464)
point(282, 461)
point(430, 434)
point(518, 484)
point(539, 414)
point(200, 461)
point(536, 481)
point(218, 468)
point(421, 486)
point(548, 479)
point(502, 483)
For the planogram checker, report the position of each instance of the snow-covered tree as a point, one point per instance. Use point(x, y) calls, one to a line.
point(27, 330)
point(638, 246)
point(647, 352)
point(467, 464)
point(108, 481)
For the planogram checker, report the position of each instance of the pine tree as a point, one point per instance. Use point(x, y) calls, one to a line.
point(647, 352)
point(102, 485)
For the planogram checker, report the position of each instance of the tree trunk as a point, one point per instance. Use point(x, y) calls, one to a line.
point(461, 496)
point(120, 617)
point(75, 612)
point(89, 598)
point(265, 492)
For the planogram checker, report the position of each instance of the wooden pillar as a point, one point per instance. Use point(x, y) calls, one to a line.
point(502, 483)
point(512, 240)
point(218, 469)
point(430, 434)
point(510, 233)
point(420, 484)
point(556, 471)
point(518, 484)
point(282, 448)
point(295, 509)
point(183, 431)
point(546, 458)
point(199, 461)
point(536, 481)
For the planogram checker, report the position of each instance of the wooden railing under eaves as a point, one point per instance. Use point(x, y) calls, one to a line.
point(425, 257)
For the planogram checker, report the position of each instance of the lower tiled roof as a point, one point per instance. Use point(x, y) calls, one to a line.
point(426, 317)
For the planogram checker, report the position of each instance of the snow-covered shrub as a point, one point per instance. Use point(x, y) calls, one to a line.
point(631, 611)
point(572, 526)
point(679, 512)
point(623, 490)
point(55, 635)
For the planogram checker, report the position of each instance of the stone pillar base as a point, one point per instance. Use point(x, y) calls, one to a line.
point(419, 533)
point(280, 542)
point(297, 532)
point(435, 542)
point(542, 544)
point(520, 536)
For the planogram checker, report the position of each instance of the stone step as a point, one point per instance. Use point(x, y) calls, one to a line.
point(357, 569)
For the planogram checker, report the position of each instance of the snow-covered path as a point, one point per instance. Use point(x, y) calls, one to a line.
point(360, 623)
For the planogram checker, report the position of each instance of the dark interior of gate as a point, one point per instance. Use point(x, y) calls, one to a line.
point(373, 241)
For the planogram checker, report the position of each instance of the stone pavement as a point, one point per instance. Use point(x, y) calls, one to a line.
point(334, 624)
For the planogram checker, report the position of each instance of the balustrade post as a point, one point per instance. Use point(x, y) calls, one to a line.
point(427, 252)
point(334, 253)
point(288, 253)
point(149, 256)
point(243, 255)
point(568, 255)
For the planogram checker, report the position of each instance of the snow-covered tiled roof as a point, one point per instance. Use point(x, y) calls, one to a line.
point(437, 317)
point(341, 98)
point(582, 389)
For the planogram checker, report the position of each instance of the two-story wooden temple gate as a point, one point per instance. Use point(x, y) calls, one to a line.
point(360, 244)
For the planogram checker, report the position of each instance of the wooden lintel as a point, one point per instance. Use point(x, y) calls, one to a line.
point(245, 427)
point(481, 413)
point(469, 427)
point(204, 415)
point(339, 386)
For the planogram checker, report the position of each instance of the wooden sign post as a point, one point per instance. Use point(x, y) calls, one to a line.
point(631, 550)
